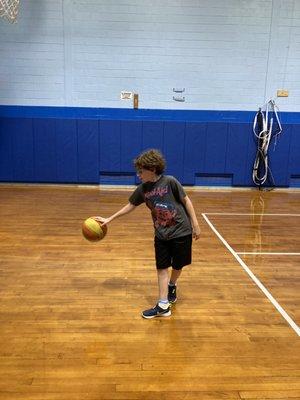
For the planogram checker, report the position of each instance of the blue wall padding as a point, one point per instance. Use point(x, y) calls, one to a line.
point(110, 178)
point(110, 146)
point(194, 150)
point(88, 151)
point(153, 135)
point(64, 146)
point(212, 180)
point(44, 150)
point(66, 150)
point(216, 147)
point(120, 114)
point(131, 143)
point(7, 127)
point(251, 154)
point(278, 160)
point(228, 116)
point(239, 136)
point(173, 147)
point(23, 149)
point(294, 167)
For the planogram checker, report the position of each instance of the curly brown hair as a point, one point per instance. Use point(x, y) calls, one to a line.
point(151, 160)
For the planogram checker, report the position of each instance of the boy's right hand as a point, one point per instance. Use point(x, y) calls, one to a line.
point(103, 221)
point(196, 232)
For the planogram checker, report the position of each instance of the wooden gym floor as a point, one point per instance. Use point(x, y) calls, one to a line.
point(70, 310)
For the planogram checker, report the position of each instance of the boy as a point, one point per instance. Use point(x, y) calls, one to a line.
point(174, 220)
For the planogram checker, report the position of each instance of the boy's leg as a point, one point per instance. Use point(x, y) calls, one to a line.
point(172, 295)
point(181, 256)
point(163, 261)
point(162, 308)
point(175, 275)
point(163, 280)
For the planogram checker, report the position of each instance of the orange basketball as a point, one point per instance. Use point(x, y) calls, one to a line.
point(92, 230)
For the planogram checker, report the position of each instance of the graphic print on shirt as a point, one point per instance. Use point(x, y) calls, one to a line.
point(163, 214)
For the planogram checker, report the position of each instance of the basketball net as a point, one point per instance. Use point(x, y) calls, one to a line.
point(9, 9)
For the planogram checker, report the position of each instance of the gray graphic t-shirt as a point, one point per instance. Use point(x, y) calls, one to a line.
point(165, 200)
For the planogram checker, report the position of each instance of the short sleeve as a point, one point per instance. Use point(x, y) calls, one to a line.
point(137, 196)
point(177, 190)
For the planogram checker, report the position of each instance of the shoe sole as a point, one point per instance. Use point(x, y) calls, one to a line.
point(167, 314)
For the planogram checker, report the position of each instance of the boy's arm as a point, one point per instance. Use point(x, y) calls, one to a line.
point(125, 210)
point(190, 209)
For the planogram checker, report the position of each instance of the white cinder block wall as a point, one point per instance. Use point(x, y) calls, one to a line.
point(226, 54)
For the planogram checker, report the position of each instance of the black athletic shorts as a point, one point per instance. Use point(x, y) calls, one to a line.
point(174, 252)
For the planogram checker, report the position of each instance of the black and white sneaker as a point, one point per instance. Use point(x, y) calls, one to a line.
point(156, 311)
point(172, 297)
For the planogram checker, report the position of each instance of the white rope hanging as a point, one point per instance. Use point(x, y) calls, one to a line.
point(262, 129)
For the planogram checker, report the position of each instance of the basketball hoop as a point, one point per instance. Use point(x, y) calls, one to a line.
point(9, 9)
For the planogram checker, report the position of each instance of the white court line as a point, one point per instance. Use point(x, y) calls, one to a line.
point(254, 278)
point(268, 254)
point(268, 215)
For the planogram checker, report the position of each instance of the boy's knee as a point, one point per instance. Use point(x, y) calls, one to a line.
point(162, 271)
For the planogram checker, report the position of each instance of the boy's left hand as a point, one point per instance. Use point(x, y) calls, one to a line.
point(196, 232)
point(103, 221)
